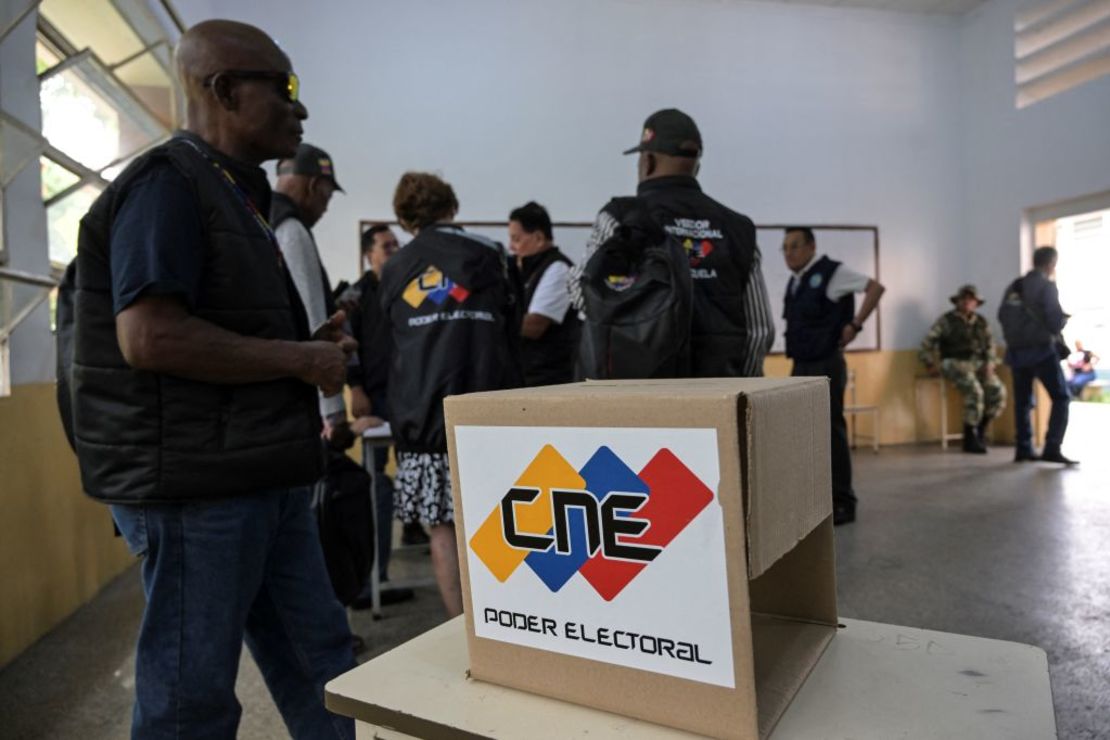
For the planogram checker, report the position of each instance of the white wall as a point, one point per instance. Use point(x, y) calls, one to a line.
point(1054, 150)
point(820, 115)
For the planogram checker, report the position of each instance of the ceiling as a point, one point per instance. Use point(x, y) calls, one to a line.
point(928, 7)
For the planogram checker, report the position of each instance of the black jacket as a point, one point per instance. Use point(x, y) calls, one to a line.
point(721, 247)
point(375, 342)
point(446, 299)
point(146, 437)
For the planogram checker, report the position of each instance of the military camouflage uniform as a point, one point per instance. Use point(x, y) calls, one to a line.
point(965, 347)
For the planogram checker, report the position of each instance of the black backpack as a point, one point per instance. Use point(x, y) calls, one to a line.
point(346, 522)
point(1022, 327)
point(63, 341)
point(637, 297)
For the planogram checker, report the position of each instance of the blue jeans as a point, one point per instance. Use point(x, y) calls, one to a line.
point(1079, 381)
point(1052, 378)
point(216, 573)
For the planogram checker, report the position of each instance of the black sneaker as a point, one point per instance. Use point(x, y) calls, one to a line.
point(396, 595)
point(365, 599)
point(843, 514)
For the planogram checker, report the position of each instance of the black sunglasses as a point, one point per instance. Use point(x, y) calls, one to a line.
point(290, 87)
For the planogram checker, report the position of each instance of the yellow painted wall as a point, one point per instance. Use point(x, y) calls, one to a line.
point(909, 406)
point(56, 546)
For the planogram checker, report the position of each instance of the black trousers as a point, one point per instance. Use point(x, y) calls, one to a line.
point(836, 371)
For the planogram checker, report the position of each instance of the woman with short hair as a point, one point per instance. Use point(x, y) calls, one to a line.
point(447, 302)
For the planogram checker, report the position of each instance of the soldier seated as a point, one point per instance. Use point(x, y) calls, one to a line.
point(962, 340)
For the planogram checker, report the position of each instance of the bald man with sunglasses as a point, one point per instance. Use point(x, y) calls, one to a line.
point(194, 395)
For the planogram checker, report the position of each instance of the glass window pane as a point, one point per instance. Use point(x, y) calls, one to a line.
point(91, 118)
point(45, 58)
point(149, 80)
point(62, 220)
point(93, 24)
point(55, 178)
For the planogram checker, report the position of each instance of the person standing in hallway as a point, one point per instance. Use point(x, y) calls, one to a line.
point(549, 330)
point(962, 340)
point(367, 381)
point(1032, 320)
point(448, 304)
point(821, 320)
point(732, 329)
point(194, 385)
point(305, 185)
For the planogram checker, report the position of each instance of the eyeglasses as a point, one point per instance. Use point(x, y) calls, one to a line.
point(290, 84)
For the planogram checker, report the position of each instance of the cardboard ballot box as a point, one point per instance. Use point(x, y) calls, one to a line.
point(659, 549)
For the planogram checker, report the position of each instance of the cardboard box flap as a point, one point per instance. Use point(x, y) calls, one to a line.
point(788, 483)
point(785, 652)
point(683, 388)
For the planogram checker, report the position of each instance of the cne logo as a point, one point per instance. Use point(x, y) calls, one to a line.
point(697, 250)
point(603, 522)
point(432, 285)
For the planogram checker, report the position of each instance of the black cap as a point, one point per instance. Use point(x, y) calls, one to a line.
point(670, 131)
point(311, 161)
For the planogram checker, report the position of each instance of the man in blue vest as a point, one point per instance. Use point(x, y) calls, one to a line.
point(821, 320)
point(194, 383)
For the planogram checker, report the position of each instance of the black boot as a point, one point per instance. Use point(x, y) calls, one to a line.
point(971, 441)
point(981, 431)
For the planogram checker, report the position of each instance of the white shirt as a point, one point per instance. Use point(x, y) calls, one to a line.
point(844, 280)
point(299, 251)
point(552, 298)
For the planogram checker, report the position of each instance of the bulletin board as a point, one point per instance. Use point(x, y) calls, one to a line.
point(855, 246)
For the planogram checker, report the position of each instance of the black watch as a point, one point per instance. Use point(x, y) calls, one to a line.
point(856, 325)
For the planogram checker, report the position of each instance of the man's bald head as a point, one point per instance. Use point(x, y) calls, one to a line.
point(238, 91)
point(213, 46)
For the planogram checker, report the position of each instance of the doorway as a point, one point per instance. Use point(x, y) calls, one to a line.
point(1082, 274)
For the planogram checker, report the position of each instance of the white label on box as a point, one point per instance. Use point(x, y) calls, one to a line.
point(606, 544)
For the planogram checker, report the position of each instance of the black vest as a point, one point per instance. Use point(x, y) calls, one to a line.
point(813, 322)
point(548, 360)
point(446, 299)
point(145, 437)
point(375, 343)
point(720, 245)
point(283, 208)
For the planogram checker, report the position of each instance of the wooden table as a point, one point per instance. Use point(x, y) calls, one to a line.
point(874, 681)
